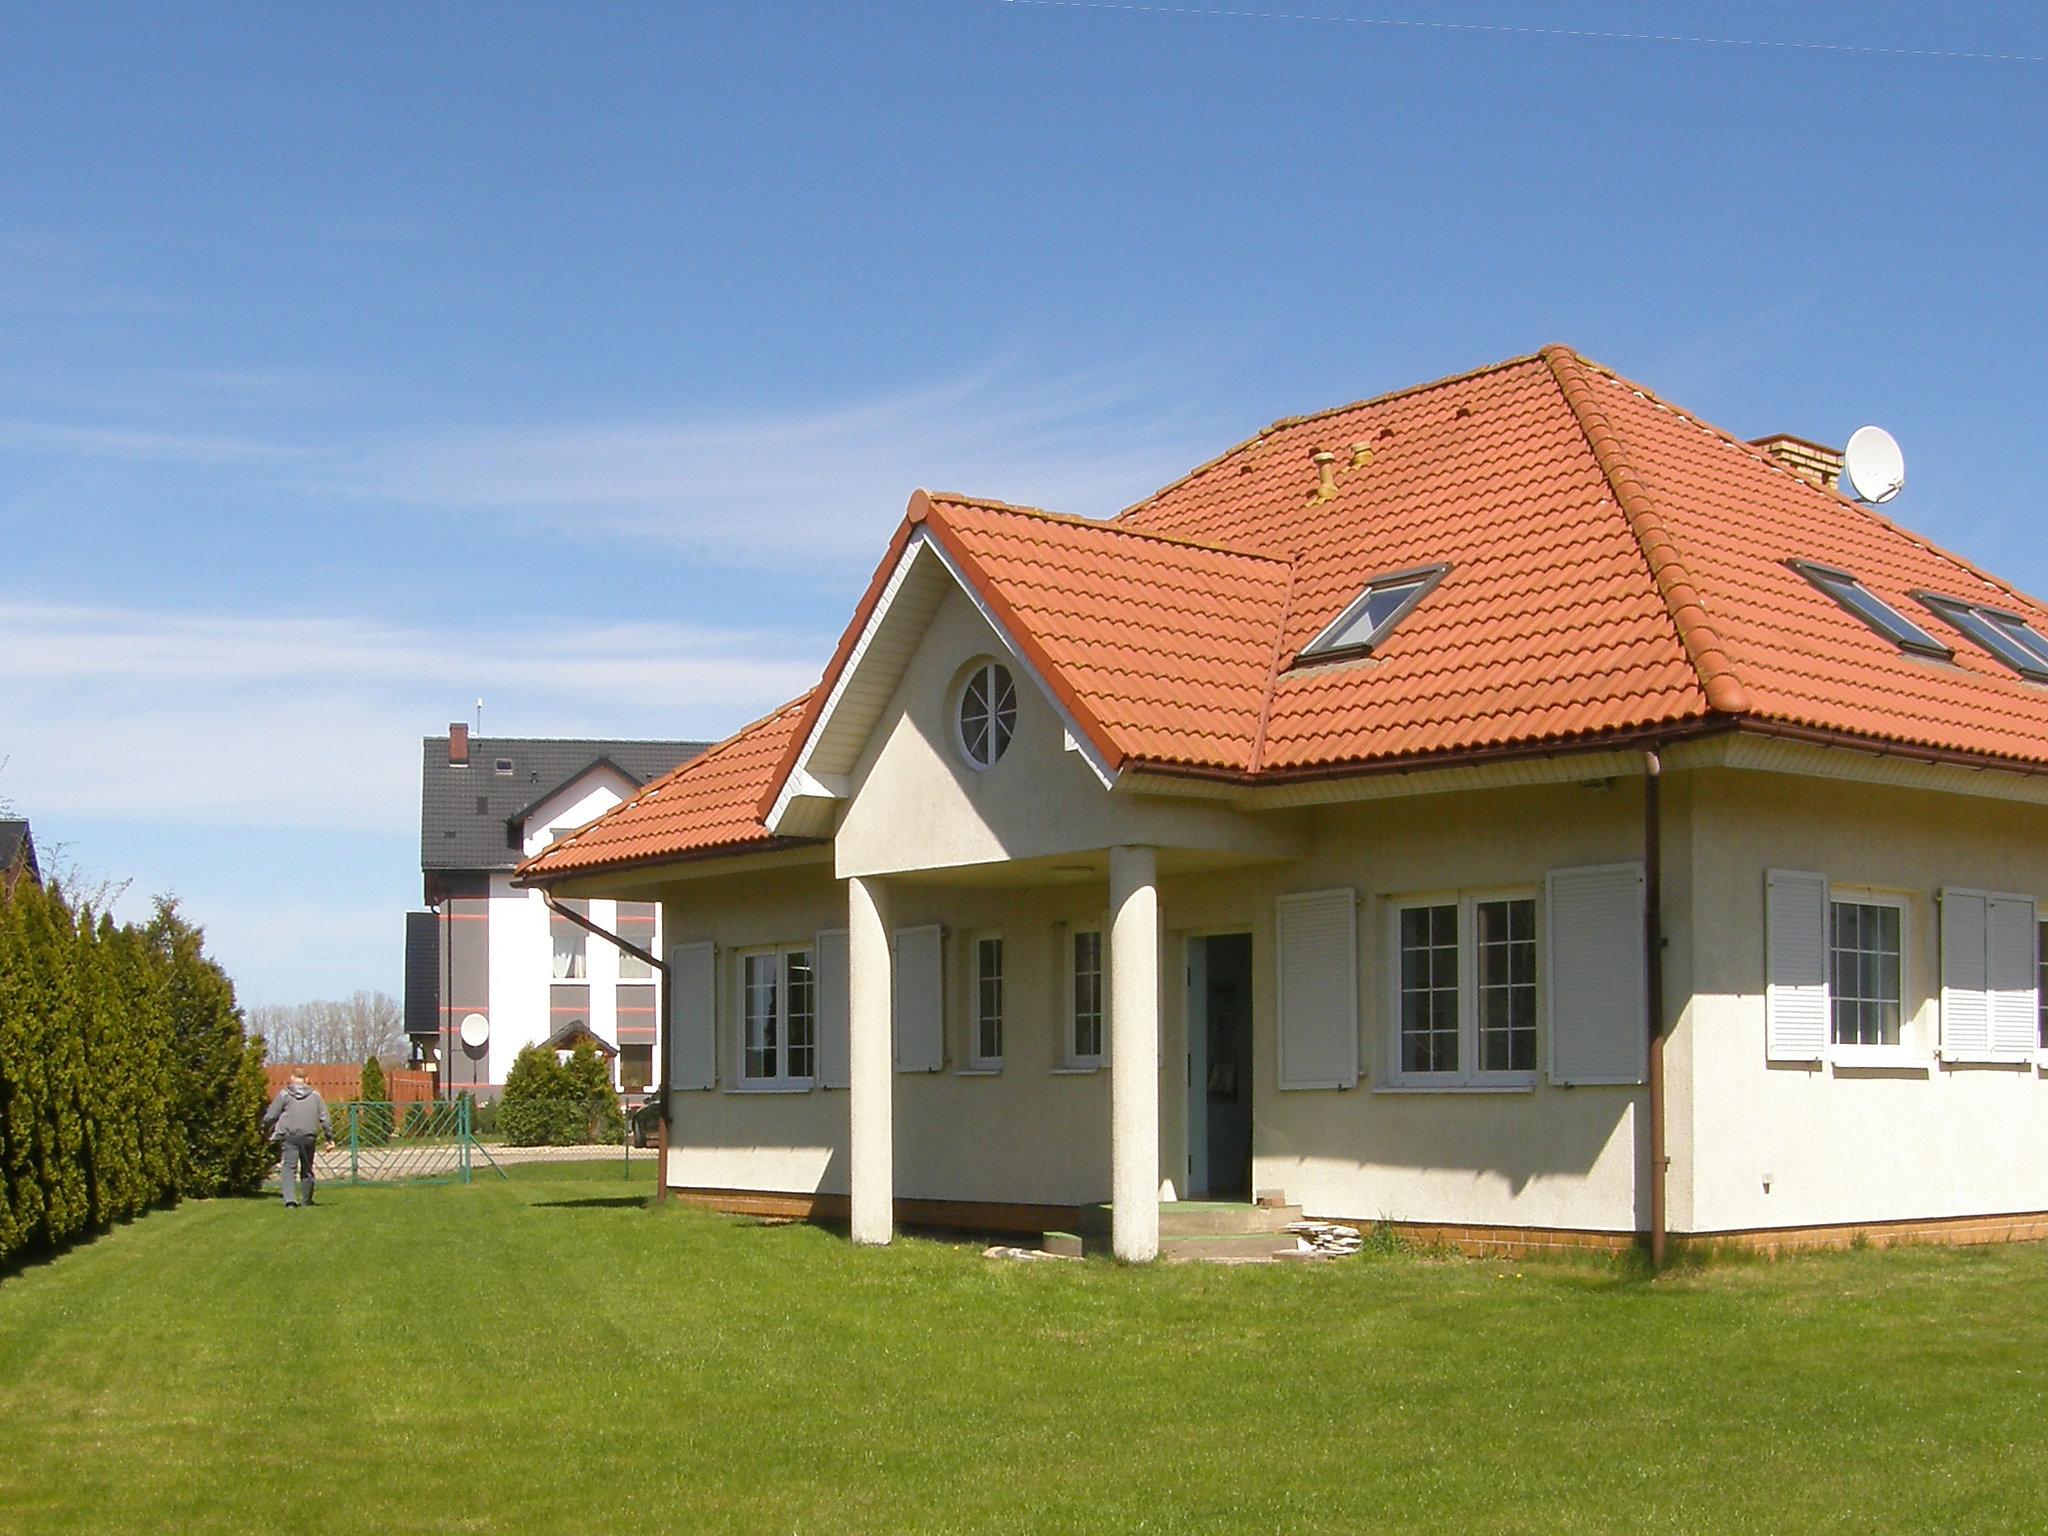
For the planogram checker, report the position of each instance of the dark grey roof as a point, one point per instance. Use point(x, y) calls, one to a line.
point(464, 812)
point(16, 843)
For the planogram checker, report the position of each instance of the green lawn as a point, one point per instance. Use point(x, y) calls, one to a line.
point(551, 1355)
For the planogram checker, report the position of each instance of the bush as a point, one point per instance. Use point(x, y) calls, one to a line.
point(551, 1103)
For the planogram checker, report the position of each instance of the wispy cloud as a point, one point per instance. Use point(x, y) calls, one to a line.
point(813, 486)
point(147, 716)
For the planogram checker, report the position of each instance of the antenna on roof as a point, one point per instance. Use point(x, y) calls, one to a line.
point(479, 717)
point(1873, 465)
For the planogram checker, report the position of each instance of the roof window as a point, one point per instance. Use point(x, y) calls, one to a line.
point(504, 765)
point(1374, 613)
point(1871, 609)
point(2005, 635)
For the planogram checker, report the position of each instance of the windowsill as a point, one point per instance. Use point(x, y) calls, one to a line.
point(1089, 1069)
point(770, 1088)
point(1896, 1057)
point(995, 1071)
point(1953, 1062)
point(1521, 1085)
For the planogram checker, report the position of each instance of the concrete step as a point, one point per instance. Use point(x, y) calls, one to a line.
point(1199, 1218)
point(1185, 1247)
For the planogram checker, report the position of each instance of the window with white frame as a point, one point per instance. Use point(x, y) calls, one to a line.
point(778, 1018)
point(570, 943)
point(1463, 970)
point(1084, 997)
point(1865, 969)
point(987, 713)
point(986, 1048)
point(636, 925)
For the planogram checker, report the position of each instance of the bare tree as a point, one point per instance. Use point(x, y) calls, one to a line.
point(349, 1029)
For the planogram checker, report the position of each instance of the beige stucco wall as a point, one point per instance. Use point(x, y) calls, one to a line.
point(1542, 1157)
point(1841, 1144)
point(1033, 1133)
point(917, 805)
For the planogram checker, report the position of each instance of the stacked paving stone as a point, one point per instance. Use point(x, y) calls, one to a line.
point(1325, 1239)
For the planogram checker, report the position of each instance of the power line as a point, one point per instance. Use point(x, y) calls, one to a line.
point(1510, 30)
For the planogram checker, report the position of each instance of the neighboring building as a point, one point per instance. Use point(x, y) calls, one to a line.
point(490, 953)
point(1347, 818)
point(17, 856)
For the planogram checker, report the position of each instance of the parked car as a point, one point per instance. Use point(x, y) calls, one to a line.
point(646, 1123)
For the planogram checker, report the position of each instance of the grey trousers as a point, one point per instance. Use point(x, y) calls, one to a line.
point(295, 1169)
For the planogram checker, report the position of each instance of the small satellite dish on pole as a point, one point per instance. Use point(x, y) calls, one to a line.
point(476, 1031)
point(1873, 465)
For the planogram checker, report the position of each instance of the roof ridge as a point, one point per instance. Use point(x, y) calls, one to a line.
point(1105, 525)
point(1258, 757)
point(1335, 410)
point(1696, 633)
point(1778, 466)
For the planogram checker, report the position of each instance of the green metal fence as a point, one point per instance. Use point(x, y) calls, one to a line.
point(417, 1143)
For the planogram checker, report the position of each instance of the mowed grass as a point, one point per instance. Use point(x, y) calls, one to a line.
point(554, 1355)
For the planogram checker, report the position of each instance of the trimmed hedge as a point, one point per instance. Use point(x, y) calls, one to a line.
point(553, 1103)
point(126, 1079)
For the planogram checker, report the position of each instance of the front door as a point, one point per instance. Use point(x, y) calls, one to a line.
point(1220, 1067)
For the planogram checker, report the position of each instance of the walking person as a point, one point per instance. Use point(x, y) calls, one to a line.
point(294, 1118)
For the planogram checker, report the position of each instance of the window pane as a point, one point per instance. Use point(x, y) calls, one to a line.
point(1864, 971)
point(636, 926)
point(988, 999)
point(800, 1014)
point(636, 1067)
point(759, 989)
point(1507, 985)
point(569, 942)
point(1429, 989)
point(1087, 995)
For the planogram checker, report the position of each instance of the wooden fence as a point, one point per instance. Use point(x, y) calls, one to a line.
point(339, 1082)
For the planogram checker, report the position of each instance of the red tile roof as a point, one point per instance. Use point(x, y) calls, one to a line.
point(704, 807)
point(1616, 572)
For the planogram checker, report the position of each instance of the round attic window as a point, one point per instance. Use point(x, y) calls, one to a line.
point(988, 713)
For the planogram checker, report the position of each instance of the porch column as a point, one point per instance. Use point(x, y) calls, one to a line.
point(1134, 1052)
point(871, 1150)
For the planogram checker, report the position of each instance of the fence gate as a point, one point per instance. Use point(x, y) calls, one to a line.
point(417, 1143)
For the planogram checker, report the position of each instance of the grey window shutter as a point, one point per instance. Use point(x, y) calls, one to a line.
point(1599, 999)
point(1318, 945)
point(692, 1015)
point(2011, 969)
point(1795, 966)
point(835, 1020)
point(1965, 977)
point(920, 999)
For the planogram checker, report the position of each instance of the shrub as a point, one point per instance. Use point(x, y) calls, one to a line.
point(373, 1114)
point(551, 1103)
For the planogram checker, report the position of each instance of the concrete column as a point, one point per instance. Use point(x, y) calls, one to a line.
point(871, 1065)
point(1134, 1052)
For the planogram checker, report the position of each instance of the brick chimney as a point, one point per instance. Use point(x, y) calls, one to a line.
point(458, 744)
point(1809, 461)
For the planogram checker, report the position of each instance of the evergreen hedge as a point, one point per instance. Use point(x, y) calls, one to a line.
point(549, 1102)
point(126, 1080)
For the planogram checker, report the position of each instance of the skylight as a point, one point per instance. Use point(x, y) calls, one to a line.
point(1872, 609)
point(1374, 613)
point(2005, 635)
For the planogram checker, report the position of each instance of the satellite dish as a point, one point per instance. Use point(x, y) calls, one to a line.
point(476, 1031)
point(1873, 465)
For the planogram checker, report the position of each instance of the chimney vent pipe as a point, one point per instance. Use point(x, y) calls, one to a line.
point(458, 743)
point(1326, 475)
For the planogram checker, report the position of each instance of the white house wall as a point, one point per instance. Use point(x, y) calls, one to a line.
point(1788, 1146)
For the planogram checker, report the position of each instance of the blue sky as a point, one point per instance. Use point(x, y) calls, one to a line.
point(358, 361)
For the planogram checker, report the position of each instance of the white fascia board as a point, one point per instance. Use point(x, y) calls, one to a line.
point(802, 783)
point(1097, 763)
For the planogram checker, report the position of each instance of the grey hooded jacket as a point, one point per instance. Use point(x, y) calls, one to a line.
point(297, 1111)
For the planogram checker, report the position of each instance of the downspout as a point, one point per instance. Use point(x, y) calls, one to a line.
point(1653, 970)
point(660, 1030)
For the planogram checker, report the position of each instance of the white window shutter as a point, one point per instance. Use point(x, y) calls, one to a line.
point(1319, 989)
point(1796, 1024)
point(692, 1015)
point(835, 1017)
point(2012, 974)
point(920, 999)
point(1599, 997)
point(1965, 977)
